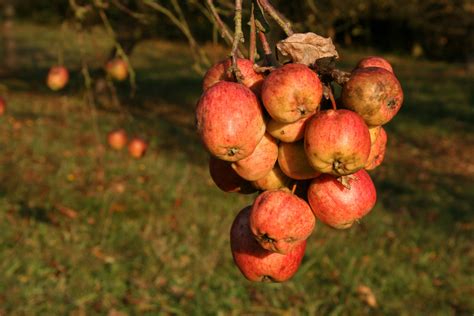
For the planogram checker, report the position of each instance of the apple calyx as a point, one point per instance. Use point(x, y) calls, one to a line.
point(232, 151)
point(346, 180)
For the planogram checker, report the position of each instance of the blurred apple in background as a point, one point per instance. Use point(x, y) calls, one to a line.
point(3, 106)
point(137, 147)
point(58, 77)
point(117, 139)
point(117, 69)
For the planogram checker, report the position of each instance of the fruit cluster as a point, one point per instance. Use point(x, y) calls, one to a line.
point(117, 139)
point(275, 134)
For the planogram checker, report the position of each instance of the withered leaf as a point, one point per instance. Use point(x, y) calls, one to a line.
point(306, 48)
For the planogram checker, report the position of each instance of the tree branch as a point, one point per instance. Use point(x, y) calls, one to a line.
point(276, 16)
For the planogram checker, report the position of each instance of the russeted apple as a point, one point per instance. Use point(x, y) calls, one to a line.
point(287, 132)
point(273, 180)
point(294, 163)
point(280, 221)
point(226, 178)
point(340, 205)
point(374, 93)
point(260, 162)
point(291, 92)
point(258, 264)
point(377, 151)
point(222, 72)
point(58, 77)
point(337, 142)
point(375, 61)
point(230, 121)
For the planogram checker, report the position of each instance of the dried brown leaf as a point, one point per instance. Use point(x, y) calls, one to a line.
point(367, 296)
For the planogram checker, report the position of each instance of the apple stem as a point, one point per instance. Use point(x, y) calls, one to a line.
point(276, 16)
point(238, 38)
point(331, 97)
point(293, 189)
point(253, 34)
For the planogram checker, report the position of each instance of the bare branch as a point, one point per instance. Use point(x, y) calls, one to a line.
point(277, 16)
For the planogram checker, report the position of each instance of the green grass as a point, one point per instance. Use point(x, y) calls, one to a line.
point(151, 236)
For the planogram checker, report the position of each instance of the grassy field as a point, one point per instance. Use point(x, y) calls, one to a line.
point(86, 230)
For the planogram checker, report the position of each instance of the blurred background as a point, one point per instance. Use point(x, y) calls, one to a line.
point(89, 230)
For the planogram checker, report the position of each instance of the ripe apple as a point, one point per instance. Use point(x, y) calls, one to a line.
point(117, 69)
point(337, 142)
point(377, 151)
point(137, 147)
point(273, 180)
point(230, 121)
point(260, 162)
point(117, 139)
point(3, 106)
point(58, 77)
point(374, 93)
point(339, 206)
point(280, 221)
point(222, 72)
point(375, 61)
point(287, 132)
point(374, 133)
point(292, 92)
point(294, 163)
point(226, 178)
point(256, 263)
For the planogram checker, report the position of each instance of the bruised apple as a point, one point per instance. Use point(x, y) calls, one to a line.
point(375, 61)
point(374, 93)
point(226, 178)
point(273, 180)
point(222, 72)
point(230, 121)
point(292, 92)
point(260, 162)
point(58, 77)
point(377, 151)
point(340, 205)
point(280, 221)
point(287, 132)
point(117, 69)
point(258, 264)
point(294, 163)
point(337, 142)
point(117, 139)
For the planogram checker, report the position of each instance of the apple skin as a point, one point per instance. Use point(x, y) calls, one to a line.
point(375, 93)
point(377, 151)
point(294, 163)
point(58, 77)
point(374, 133)
point(260, 162)
point(338, 206)
point(292, 92)
point(375, 61)
point(337, 142)
point(117, 69)
point(273, 180)
point(280, 220)
point(258, 264)
point(230, 121)
point(3, 106)
point(117, 139)
point(287, 132)
point(221, 72)
point(227, 179)
point(137, 147)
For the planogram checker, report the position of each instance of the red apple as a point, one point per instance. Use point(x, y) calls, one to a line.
point(280, 221)
point(339, 206)
point(337, 142)
point(221, 72)
point(117, 69)
point(260, 162)
point(273, 180)
point(294, 163)
point(377, 151)
point(3, 106)
point(137, 147)
point(292, 92)
point(375, 61)
point(287, 132)
point(256, 263)
point(117, 139)
point(226, 178)
point(374, 93)
point(58, 77)
point(230, 121)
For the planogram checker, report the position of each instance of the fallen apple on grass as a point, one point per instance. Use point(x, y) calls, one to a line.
point(137, 147)
point(117, 139)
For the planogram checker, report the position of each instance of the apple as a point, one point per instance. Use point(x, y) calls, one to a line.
point(3, 106)
point(337, 142)
point(374, 93)
point(375, 61)
point(287, 132)
point(58, 77)
point(137, 147)
point(377, 151)
point(292, 92)
point(339, 206)
point(294, 163)
point(117, 139)
point(222, 72)
point(374, 133)
point(117, 69)
point(273, 180)
point(280, 221)
point(260, 162)
point(258, 264)
point(230, 121)
point(226, 178)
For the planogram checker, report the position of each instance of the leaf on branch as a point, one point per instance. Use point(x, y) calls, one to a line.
point(306, 48)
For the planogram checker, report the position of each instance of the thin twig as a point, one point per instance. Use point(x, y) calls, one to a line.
point(331, 97)
point(276, 16)
point(253, 38)
point(270, 59)
point(238, 38)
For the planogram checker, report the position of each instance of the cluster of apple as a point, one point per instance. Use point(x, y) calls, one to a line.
point(274, 134)
point(118, 139)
